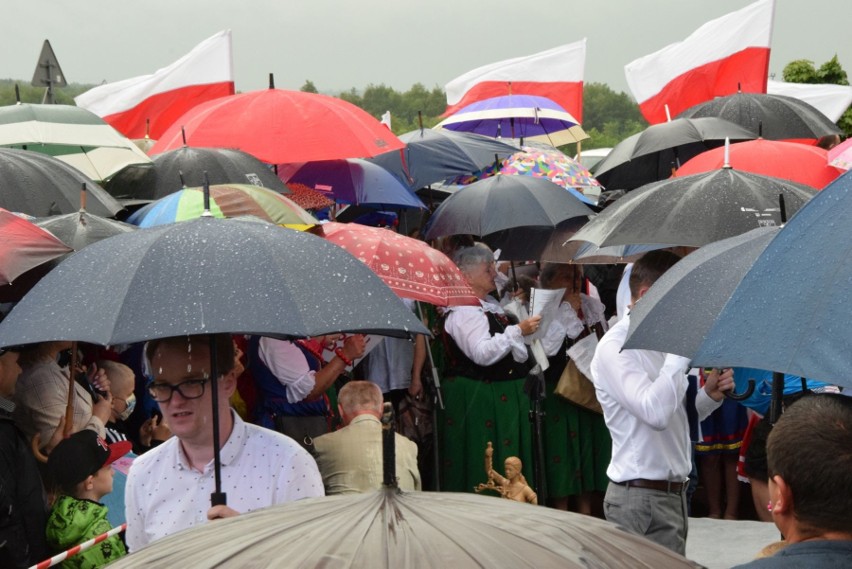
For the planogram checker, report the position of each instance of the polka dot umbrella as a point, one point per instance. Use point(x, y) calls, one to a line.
point(411, 268)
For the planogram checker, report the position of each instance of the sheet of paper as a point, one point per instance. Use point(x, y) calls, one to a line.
point(582, 352)
point(544, 302)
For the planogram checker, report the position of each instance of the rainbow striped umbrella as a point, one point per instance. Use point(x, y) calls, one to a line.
point(226, 200)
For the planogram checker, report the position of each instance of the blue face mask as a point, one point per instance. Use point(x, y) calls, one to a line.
point(131, 405)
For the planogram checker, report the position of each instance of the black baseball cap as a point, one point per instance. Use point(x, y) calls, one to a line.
point(82, 454)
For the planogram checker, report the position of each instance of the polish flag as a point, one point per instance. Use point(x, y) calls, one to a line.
point(556, 74)
point(203, 74)
point(721, 56)
point(830, 100)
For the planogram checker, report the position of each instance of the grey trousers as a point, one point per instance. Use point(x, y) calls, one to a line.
point(659, 516)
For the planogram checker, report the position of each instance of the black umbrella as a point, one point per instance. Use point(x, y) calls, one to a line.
point(207, 276)
point(40, 185)
point(653, 154)
point(517, 214)
point(676, 313)
point(775, 117)
point(186, 167)
point(694, 210)
point(435, 155)
point(391, 529)
point(81, 229)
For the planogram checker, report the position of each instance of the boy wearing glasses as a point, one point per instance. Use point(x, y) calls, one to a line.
point(169, 487)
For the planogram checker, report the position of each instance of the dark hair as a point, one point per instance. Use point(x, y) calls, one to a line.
point(649, 268)
point(550, 272)
point(224, 348)
point(811, 449)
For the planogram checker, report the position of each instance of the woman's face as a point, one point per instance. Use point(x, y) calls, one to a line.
point(481, 278)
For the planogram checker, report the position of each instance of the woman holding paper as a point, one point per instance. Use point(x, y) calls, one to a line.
point(483, 388)
point(577, 442)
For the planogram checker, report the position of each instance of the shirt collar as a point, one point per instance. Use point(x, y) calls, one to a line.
point(363, 418)
point(230, 450)
point(7, 405)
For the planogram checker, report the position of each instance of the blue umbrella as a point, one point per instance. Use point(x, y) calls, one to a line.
point(352, 181)
point(791, 312)
point(518, 116)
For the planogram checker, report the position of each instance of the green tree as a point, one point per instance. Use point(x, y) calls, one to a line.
point(831, 72)
point(30, 94)
point(308, 87)
point(609, 117)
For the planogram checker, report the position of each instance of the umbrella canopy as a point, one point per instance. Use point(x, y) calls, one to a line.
point(775, 117)
point(841, 155)
point(542, 161)
point(801, 163)
point(25, 245)
point(72, 134)
point(791, 312)
point(693, 291)
point(186, 166)
point(308, 198)
point(353, 181)
point(207, 276)
point(432, 156)
point(81, 229)
point(526, 117)
point(517, 214)
point(226, 200)
point(280, 127)
point(411, 268)
point(40, 185)
point(652, 155)
point(694, 210)
point(413, 530)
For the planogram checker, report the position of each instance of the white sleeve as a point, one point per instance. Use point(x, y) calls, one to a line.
point(134, 535)
point(468, 327)
point(287, 362)
point(622, 378)
point(705, 404)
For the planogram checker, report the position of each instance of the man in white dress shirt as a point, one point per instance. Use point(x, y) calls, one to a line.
point(642, 394)
point(168, 488)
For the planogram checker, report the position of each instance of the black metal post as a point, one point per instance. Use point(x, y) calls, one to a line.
point(217, 498)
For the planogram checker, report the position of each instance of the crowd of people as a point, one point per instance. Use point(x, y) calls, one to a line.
point(303, 418)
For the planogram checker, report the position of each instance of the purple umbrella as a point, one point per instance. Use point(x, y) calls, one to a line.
point(518, 116)
point(352, 181)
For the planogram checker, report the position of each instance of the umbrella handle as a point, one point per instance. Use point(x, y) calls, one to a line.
point(741, 396)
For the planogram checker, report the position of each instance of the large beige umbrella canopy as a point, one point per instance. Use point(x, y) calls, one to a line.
point(388, 528)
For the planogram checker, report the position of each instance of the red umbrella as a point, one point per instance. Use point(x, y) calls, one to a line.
point(278, 126)
point(411, 268)
point(25, 245)
point(802, 163)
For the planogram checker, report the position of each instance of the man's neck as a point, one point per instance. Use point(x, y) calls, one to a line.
point(199, 452)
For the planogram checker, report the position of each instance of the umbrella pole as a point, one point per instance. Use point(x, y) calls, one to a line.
point(69, 407)
point(777, 396)
point(438, 403)
point(535, 388)
point(217, 498)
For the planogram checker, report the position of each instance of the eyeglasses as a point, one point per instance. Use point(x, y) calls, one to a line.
point(189, 389)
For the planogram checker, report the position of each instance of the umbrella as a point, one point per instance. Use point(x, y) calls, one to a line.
point(775, 117)
point(841, 155)
point(186, 166)
point(226, 200)
point(802, 163)
point(678, 310)
point(25, 246)
point(652, 155)
point(41, 185)
point(308, 198)
point(516, 214)
point(280, 127)
point(432, 156)
point(526, 117)
point(388, 528)
point(352, 181)
point(72, 134)
point(81, 229)
point(411, 268)
point(694, 210)
point(207, 276)
point(791, 312)
point(542, 161)
point(591, 254)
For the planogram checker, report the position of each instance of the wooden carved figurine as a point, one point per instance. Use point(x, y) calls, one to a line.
point(513, 486)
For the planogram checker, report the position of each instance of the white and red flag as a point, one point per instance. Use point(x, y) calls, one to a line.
point(556, 74)
point(721, 56)
point(203, 74)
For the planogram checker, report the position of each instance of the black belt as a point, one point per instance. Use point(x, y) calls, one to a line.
point(661, 485)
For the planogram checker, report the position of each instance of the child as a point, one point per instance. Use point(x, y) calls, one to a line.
point(81, 467)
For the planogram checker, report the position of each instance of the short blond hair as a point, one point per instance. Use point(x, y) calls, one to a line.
point(118, 374)
point(358, 396)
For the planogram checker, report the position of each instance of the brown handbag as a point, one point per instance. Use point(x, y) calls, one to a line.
point(576, 387)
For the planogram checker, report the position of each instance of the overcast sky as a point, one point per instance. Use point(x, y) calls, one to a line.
point(339, 44)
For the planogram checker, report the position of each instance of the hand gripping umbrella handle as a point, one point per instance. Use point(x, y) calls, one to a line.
point(741, 396)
